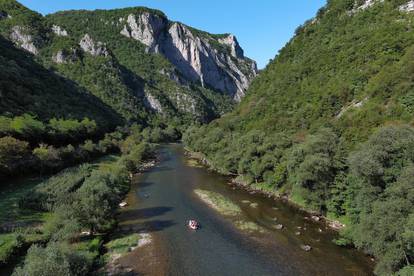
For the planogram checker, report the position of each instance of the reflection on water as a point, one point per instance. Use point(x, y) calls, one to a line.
point(163, 199)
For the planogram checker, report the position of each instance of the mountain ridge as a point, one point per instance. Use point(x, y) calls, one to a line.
point(145, 83)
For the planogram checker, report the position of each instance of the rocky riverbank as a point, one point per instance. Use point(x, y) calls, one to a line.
point(237, 182)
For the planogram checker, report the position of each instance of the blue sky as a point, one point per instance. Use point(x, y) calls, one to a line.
point(261, 26)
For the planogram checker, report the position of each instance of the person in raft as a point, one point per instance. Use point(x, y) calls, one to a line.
point(193, 224)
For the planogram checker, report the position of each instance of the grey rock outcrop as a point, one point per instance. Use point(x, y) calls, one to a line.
point(59, 31)
point(21, 37)
point(186, 103)
point(367, 4)
point(198, 60)
point(63, 57)
point(231, 41)
point(146, 28)
point(195, 55)
point(153, 103)
point(88, 45)
point(363, 6)
point(408, 7)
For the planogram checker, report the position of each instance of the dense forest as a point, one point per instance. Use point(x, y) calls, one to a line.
point(329, 124)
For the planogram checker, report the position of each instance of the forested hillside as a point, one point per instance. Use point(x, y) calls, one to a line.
point(130, 61)
point(69, 78)
point(329, 123)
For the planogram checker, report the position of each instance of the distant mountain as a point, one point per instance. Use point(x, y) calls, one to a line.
point(329, 123)
point(135, 60)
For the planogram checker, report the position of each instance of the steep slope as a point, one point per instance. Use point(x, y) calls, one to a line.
point(325, 124)
point(135, 60)
point(26, 87)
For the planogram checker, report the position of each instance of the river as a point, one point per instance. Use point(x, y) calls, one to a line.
point(163, 199)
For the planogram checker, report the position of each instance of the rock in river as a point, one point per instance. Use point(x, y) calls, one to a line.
point(306, 247)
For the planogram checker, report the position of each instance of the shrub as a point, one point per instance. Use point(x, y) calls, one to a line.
point(55, 259)
point(28, 126)
point(13, 153)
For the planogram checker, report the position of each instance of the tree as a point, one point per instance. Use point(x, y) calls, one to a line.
point(95, 202)
point(47, 155)
point(53, 260)
point(381, 159)
point(5, 125)
point(28, 126)
point(312, 166)
point(383, 230)
point(13, 153)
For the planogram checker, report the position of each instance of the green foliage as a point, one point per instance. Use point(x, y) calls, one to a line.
point(406, 271)
point(340, 95)
point(81, 198)
point(27, 126)
point(12, 152)
point(47, 155)
point(27, 87)
point(10, 244)
point(122, 244)
point(115, 80)
point(56, 190)
point(382, 216)
point(312, 166)
point(55, 259)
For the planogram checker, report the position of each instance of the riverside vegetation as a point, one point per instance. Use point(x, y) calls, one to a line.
point(75, 209)
point(329, 123)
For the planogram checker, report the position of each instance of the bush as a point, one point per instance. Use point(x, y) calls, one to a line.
point(48, 156)
point(13, 154)
point(28, 126)
point(55, 259)
point(10, 244)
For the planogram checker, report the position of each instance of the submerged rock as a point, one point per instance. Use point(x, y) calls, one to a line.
point(316, 218)
point(279, 226)
point(306, 248)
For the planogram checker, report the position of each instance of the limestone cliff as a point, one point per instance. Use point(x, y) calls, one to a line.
point(136, 60)
point(215, 61)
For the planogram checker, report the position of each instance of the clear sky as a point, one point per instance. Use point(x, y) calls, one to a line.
point(261, 26)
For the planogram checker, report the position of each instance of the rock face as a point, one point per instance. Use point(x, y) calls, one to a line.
point(153, 103)
point(217, 62)
point(21, 38)
point(62, 57)
point(146, 28)
point(95, 49)
point(59, 31)
point(365, 5)
point(185, 103)
point(231, 41)
point(408, 7)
